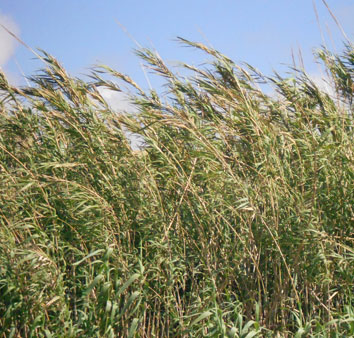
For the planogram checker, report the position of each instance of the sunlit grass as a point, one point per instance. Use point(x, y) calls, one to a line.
point(235, 220)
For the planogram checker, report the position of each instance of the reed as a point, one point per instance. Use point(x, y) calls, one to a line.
point(234, 220)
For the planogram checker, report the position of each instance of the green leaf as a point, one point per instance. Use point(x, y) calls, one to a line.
point(204, 315)
point(97, 279)
point(88, 256)
point(133, 328)
point(128, 283)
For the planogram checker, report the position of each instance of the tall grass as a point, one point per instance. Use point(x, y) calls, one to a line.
point(235, 218)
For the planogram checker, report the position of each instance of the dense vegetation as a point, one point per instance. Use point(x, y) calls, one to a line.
point(234, 219)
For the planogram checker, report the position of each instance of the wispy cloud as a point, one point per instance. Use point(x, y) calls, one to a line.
point(7, 42)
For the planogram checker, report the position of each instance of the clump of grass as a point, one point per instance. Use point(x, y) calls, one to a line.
point(235, 218)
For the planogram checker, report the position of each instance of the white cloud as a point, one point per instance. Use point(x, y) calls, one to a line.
point(120, 102)
point(7, 42)
point(117, 100)
point(323, 83)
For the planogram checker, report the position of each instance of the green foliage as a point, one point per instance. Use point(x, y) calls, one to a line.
point(235, 219)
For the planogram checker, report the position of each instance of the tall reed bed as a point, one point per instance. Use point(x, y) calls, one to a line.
point(235, 219)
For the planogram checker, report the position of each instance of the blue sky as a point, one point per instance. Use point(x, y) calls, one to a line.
point(81, 33)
